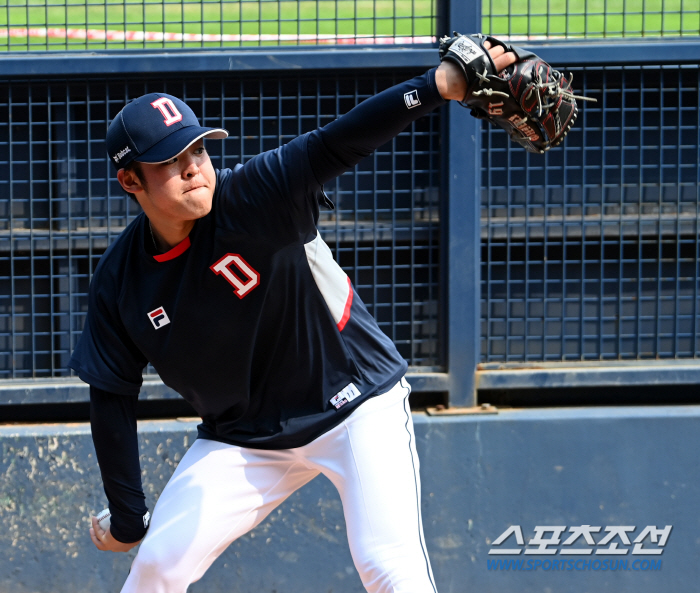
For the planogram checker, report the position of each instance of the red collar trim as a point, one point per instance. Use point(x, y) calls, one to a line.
point(179, 249)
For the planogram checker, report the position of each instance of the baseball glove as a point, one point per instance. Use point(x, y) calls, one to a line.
point(530, 100)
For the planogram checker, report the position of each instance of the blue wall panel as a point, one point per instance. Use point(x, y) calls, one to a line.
point(595, 466)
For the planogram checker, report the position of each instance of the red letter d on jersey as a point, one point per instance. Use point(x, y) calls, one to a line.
point(241, 288)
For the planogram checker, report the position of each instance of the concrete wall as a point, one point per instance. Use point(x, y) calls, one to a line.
point(591, 466)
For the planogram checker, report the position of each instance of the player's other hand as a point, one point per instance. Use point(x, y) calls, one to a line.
point(450, 80)
point(500, 56)
point(104, 541)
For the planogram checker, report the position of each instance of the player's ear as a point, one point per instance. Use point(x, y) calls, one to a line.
point(129, 181)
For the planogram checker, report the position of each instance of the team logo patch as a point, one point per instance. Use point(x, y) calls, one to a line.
point(245, 279)
point(158, 317)
point(411, 99)
point(345, 395)
point(167, 108)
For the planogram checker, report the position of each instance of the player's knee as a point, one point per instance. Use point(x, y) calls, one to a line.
point(396, 573)
point(156, 570)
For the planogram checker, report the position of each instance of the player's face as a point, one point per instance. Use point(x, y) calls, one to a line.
point(180, 189)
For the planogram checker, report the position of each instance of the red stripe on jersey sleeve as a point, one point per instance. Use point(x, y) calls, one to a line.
point(179, 249)
point(346, 311)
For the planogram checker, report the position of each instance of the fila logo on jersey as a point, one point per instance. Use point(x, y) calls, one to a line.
point(170, 113)
point(345, 395)
point(411, 99)
point(158, 317)
point(241, 287)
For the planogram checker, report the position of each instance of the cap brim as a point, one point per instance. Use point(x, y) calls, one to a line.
point(177, 142)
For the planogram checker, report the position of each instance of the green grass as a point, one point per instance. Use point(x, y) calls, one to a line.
point(593, 18)
point(553, 18)
point(311, 17)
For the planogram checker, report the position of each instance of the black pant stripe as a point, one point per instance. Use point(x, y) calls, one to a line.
point(407, 410)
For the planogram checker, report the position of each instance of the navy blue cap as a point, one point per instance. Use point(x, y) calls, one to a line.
point(153, 129)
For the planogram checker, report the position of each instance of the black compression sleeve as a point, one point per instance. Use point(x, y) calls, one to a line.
point(340, 145)
point(113, 422)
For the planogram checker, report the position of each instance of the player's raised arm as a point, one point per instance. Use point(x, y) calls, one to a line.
point(343, 143)
point(113, 423)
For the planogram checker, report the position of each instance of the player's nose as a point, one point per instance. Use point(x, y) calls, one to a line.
point(190, 167)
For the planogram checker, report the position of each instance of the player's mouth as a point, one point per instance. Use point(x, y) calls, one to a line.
point(194, 188)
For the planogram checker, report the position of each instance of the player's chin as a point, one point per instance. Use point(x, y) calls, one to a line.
point(198, 201)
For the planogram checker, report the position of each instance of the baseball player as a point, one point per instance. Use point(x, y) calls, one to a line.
point(225, 286)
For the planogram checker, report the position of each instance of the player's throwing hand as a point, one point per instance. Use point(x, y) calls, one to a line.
point(104, 541)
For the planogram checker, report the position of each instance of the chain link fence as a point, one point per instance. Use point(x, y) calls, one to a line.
point(145, 24)
point(590, 252)
point(29, 25)
point(590, 19)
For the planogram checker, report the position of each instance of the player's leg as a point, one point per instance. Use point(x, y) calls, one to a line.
point(374, 466)
point(217, 493)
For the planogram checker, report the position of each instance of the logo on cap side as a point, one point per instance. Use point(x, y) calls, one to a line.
point(170, 113)
point(118, 157)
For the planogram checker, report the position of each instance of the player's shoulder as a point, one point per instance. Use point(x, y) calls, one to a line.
point(114, 260)
point(224, 177)
point(265, 185)
point(277, 165)
point(286, 154)
point(224, 187)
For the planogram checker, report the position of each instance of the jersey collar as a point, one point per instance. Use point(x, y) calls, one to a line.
point(176, 251)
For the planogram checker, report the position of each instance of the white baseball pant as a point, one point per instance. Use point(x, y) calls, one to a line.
point(220, 492)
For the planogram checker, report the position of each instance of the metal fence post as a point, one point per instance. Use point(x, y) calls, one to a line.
point(461, 225)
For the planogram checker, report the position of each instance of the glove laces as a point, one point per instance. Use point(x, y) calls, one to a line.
point(552, 91)
point(484, 79)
